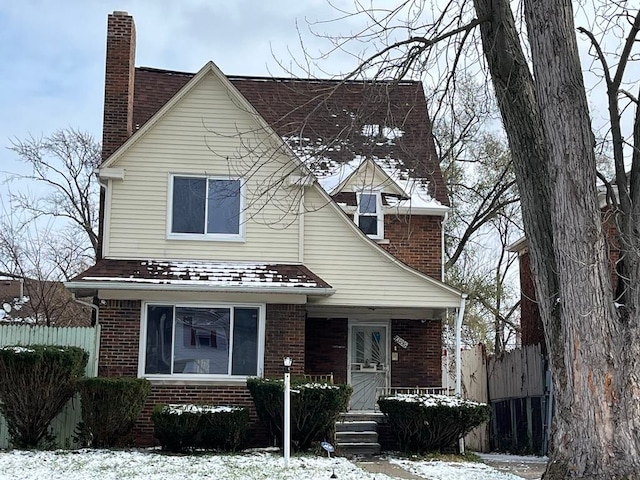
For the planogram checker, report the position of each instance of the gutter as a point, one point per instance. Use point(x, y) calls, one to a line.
point(309, 291)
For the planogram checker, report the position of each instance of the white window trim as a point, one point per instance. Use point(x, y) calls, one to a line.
point(379, 212)
point(200, 378)
point(207, 237)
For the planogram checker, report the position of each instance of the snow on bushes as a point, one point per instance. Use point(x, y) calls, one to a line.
point(315, 407)
point(424, 423)
point(187, 427)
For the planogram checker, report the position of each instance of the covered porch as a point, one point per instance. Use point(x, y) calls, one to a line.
point(378, 351)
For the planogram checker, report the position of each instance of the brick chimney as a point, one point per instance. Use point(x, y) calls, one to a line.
point(119, 81)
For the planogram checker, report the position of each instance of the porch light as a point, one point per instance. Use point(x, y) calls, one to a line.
point(287, 361)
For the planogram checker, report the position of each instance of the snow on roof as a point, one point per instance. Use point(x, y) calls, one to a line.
point(332, 174)
point(206, 274)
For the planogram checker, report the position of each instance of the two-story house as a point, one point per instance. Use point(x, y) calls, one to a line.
point(249, 219)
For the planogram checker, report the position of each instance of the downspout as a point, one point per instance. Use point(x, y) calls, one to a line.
point(87, 304)
point(442, 246)
point(92, 370)
point(463, 302)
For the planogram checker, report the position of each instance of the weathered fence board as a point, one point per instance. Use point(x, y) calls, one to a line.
point(517, 374)
point(474, 387)
point(85, 337)
point(519, 400)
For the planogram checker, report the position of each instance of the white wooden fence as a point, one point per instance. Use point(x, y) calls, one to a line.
point(87, 338)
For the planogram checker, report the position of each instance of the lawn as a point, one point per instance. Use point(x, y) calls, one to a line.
point(136, 464)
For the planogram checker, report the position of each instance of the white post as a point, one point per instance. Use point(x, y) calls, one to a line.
point(459, 318)
point(287, 410)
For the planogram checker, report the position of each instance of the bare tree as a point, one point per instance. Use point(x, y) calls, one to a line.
point(591, 328)
point(61, 169)
point(39, 259)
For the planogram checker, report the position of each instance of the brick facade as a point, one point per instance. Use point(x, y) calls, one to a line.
point(531, 328)
point(420, 364)
point(284, 337)
point(119, 338)
point(326, 340)
point(417, 241)
point(119, 82)
point(119, 347)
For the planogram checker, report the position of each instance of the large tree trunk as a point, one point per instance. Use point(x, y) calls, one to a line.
point(593, 349)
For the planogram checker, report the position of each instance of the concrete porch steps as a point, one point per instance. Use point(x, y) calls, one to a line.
point(357, 434)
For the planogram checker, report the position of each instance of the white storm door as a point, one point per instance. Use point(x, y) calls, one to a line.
point(368, 364)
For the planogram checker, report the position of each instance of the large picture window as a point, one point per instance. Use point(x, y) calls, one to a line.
point(202, 206)
point(202, 340)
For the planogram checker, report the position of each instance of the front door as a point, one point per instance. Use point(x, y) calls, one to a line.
point(368, 363)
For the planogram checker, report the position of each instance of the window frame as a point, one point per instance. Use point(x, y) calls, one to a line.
point(221, 237)
point(379, 213)
point(200, 377)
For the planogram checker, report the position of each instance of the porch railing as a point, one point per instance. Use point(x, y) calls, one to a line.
point(390, 391)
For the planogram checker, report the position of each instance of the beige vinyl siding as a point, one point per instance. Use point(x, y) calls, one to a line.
point(368, 176)
point(359, 271)
point(206, 133)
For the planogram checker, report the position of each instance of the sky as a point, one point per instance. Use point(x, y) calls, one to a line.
point(52, 53)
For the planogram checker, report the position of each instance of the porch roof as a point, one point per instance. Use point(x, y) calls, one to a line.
point(199, 276)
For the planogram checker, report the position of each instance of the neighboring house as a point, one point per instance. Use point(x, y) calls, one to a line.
point(249, 219)
point(531, 410)
point(39, 302)
point(532, 330)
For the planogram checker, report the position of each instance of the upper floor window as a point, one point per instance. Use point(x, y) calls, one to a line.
point(205, 206)
point(369, 216)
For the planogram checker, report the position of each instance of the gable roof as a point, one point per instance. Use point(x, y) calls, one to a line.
point(328, 123)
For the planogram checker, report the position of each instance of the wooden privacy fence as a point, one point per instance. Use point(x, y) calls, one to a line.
point(473, 386)
point(520, 400)
point(87, 338)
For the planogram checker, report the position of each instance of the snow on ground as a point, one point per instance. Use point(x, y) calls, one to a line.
point(437, 470)
point(134, 465)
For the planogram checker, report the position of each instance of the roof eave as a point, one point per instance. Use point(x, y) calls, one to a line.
point(105, 285)
point(439, 210)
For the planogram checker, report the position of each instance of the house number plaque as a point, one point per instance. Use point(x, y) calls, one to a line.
point(401, 341)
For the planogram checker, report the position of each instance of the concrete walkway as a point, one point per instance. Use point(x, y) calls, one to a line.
point(381, 465)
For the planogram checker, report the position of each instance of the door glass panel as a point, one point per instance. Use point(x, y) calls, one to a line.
point(369, 370)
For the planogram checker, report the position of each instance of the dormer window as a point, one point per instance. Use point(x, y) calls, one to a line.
point(369, 216)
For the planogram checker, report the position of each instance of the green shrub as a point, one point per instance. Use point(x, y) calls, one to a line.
point(315, 408)
point(35, 384)
point(424, 423)
point(110, 407)
point(181, 428)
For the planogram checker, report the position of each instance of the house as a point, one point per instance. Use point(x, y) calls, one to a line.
point(29, 301)
point(522, 421)
point(247, 219)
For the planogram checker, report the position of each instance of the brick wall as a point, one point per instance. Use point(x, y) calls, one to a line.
point(420, 363)
point(203, 394)
point(119, 338)
point(119, 347)
point(326, 342)
point(119, 82)
point(417, 241)
point(284, 337)
point(531, 328)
